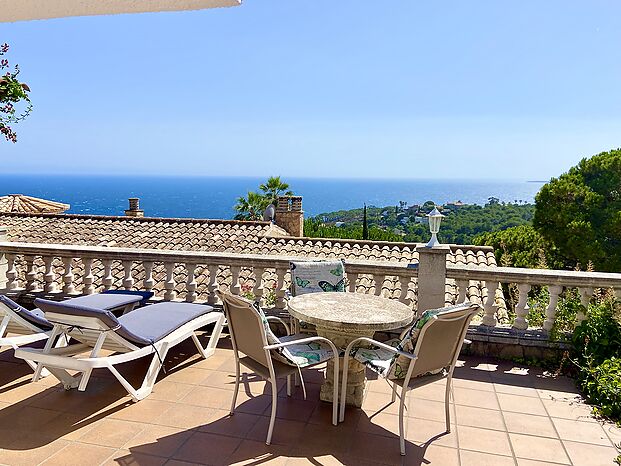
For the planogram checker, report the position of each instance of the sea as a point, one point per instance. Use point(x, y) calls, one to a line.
point(214, 197)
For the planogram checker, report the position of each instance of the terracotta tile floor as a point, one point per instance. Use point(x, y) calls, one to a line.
point(505, 414)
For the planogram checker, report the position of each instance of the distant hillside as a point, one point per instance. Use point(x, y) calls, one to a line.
point(409, 223)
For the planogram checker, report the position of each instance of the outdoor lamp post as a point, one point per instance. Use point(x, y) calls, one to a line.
point(435, 218)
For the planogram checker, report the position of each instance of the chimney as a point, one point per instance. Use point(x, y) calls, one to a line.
point(289, 215)
point(134, 208)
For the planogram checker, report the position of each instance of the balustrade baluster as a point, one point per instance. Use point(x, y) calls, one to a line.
point(88, 276)
point(353, 281)
point(31, 273)
point(379, 283)
point(462, 287)
point(128, 280)
point(108, 279)
point(213, 283)
point(521, 309)
point(585, 297)
point(258, 283)
point(555, 291)
point(11, 272)
point(68, 276)
point(489, 318)
point(50, 276)
point(235, 287)
point(148, 282)
point(404, 283)
point(169, 286)
point(280, 287)
point(190, 284)
point(618, 293)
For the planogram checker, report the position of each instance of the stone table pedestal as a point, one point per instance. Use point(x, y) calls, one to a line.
point(343, 317)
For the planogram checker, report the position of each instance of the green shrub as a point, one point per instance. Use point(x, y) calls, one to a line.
point(596, 347)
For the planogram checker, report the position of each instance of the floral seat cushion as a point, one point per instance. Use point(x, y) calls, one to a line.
point(392, 365)
point(301, 355)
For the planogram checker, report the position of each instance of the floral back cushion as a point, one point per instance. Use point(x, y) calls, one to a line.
point(391, 365)
point(317, 276)
point(303, 354)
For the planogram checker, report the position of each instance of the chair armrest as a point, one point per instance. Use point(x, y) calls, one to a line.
point(302, 340)
point(411, 356)
point(280, 321)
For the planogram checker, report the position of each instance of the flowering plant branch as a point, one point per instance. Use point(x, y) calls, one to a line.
point(12, 92)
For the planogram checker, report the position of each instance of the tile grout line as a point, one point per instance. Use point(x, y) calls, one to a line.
point(504, 423)
point(555, 429)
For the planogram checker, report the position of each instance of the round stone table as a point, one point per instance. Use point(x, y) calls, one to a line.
point(343, 317)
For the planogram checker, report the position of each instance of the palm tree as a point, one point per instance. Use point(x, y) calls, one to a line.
point(274, 188)
point(251, 207)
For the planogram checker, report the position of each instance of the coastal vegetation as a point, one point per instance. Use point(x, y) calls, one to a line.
point(463, 223)
point(15, 103)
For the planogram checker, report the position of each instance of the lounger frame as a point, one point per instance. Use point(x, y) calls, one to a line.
point(24, 332)
point(95, 336)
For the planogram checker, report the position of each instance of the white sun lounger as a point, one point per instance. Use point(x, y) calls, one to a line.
point(150, 330)
point(28, 326)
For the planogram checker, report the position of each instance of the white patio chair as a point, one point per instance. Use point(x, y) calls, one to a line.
point(425, 353)
point(269, 356)
point(150, 330)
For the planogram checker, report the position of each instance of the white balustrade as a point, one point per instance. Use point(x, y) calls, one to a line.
point(258, 289)
point(353, 281)
point(462, 289)
point(11, 273)
point(149, 282)
point(585, 297)
point(31, 273)
point(489, 318)
point(50, 276)
point(26, 260)
point(235, 287)
point(128, 280)
point(68, 287)
point(555, 291)
point(404, 283)
point(89, 278)
point(212, 287)
point(281, 288)
point(379, 284)
point(108, 279)
point(169, 285)
point(190, 284)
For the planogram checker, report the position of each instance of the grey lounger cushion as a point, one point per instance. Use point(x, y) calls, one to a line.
point(142, 326)
point(107, 300)
point(35, 316)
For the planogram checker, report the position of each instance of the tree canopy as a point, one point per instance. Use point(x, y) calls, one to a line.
point(12, 93)
point(252, 206)
point(580, 212)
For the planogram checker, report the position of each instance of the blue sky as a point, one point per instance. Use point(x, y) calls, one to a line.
point(354, 88)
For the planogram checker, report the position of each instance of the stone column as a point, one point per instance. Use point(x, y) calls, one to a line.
point(3, 262)
point(431, 276)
